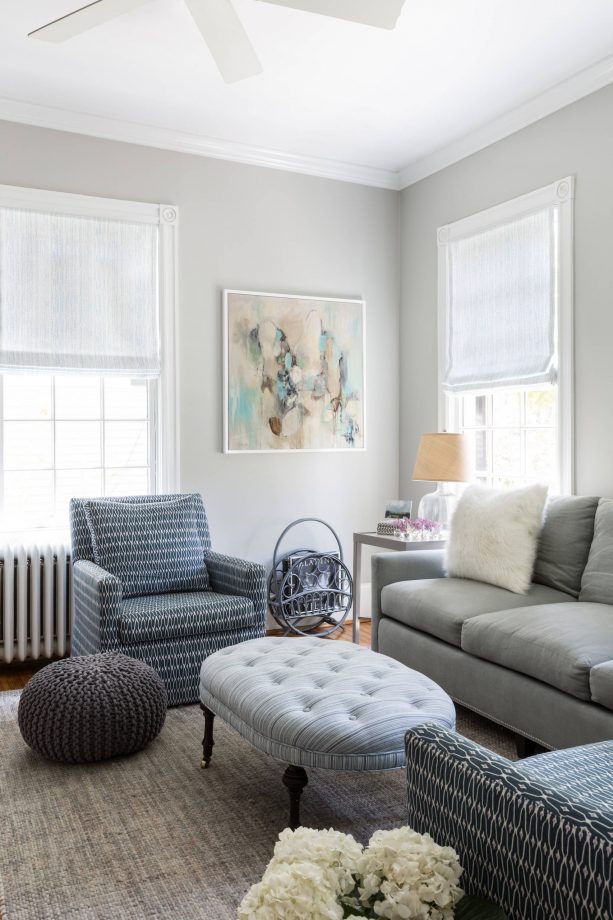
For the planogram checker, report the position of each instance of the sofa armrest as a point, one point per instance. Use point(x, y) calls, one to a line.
point(97, 599)
point(228, 575)
point(388, 568)
point(522, 843)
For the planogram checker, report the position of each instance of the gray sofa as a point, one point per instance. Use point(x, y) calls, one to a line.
point(541, 663)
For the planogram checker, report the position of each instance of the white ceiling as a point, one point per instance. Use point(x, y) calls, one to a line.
point(381, 102)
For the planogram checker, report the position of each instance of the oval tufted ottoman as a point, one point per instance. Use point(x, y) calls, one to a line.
point(85, 709)
point(312, 703)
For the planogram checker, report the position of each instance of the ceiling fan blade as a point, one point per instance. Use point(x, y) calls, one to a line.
point(94, 14)
point(381, 13)
point(228, 42)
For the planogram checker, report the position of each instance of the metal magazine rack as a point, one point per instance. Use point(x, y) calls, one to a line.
point(307, 589)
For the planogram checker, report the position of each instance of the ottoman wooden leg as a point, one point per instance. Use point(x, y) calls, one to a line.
point(207, 741)
point(295, 779)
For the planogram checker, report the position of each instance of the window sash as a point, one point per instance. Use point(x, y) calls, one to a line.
point(490, 427)
point(54, 523)
point(559, 194)
point(165, 217)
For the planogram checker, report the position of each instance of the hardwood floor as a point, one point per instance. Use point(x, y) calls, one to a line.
point(344, 634)
point(14, 677)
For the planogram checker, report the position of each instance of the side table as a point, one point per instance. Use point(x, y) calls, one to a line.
point(371, 538)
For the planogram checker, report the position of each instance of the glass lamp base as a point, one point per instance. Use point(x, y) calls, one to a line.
point(438, 506)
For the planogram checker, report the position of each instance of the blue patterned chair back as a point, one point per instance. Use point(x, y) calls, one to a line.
point(80, 534)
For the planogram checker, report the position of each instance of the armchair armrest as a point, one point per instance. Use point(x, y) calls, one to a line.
point(97, 598)
point(228, 575)
point(522, 843)
point(388, 568)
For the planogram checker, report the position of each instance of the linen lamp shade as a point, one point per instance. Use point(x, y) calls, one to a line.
point(443, 457)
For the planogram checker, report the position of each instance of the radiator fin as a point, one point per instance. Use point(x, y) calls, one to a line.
point(36, 602)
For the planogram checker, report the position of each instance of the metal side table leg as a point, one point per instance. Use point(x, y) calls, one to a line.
point(357, 579)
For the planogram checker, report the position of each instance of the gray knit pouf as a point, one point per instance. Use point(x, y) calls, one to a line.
point(85, 709)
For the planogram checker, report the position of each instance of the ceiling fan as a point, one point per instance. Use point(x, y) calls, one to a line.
point(220, 26)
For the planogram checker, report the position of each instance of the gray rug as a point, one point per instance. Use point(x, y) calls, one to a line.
point(153, 835)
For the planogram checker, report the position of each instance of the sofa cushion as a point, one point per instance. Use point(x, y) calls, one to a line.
point(151, 547)
point(440, 606)
point(601, 684)
point(564, 542)
point(159, 617)
point(558, 644)
point(597, 581)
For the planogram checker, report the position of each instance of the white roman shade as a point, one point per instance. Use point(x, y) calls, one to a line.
point(78, 294)
point(501, 305)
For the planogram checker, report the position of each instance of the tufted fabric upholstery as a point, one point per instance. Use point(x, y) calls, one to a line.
point(321, 704)
point(535, 837)
point(192, 613)
point(152, 547)
point(171, 632)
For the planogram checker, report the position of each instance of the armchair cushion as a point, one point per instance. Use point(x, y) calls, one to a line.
point(152, 547)
point(584, 773)
point(158, 617)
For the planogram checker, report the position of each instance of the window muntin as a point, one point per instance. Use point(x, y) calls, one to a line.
point(72, 435)
point(514, 435)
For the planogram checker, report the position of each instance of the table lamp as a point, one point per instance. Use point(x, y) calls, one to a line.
point(442, 458)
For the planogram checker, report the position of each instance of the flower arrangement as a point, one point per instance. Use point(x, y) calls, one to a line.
point(413, 529)
point(327, 875)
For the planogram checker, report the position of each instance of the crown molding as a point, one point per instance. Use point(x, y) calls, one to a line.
point(199, 145)
point(556, 97)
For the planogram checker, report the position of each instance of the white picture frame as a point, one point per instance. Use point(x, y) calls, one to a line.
point(347, 335)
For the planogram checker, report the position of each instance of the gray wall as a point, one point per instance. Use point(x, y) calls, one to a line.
point(257, 229)
point(578, 140)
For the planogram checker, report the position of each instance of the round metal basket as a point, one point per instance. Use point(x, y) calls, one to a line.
point(308, 590)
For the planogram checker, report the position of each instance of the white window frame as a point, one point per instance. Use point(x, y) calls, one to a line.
point(164, 415)
point(560, 194)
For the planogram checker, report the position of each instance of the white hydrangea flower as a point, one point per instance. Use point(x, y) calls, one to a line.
point(296, 891)
point(336, 853)
point(315, 875)
point(417, 878)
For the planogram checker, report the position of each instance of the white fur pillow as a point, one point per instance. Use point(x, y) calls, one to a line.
point(494, 535)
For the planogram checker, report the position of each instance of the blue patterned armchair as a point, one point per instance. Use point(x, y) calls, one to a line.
point(147, 584)
point(536, 837)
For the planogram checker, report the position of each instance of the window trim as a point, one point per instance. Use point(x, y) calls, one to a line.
point(560, 194)
point(165, 415)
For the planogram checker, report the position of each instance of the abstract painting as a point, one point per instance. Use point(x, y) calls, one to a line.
point(294, 372)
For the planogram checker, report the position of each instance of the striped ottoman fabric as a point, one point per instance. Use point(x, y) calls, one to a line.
point(313, 703)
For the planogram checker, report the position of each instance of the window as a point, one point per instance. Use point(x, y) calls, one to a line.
point(505, 337)
point(86, 402)
point(69, 435)
point(515, 435)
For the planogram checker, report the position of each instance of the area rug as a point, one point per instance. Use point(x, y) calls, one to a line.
point(153, 835)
